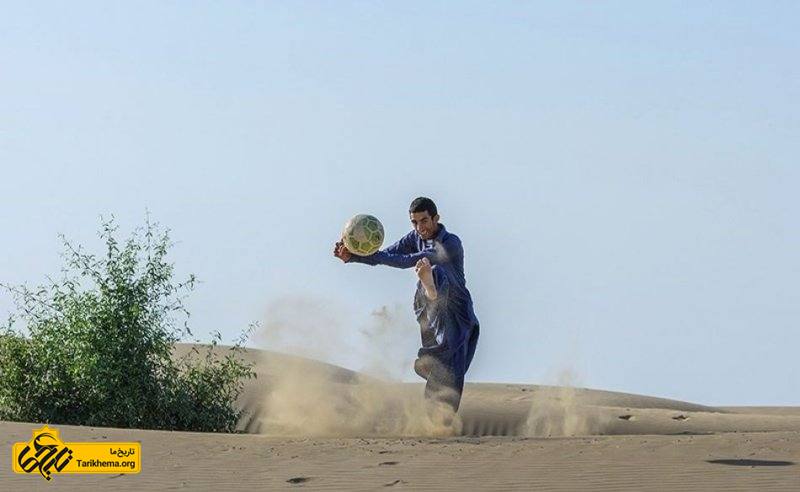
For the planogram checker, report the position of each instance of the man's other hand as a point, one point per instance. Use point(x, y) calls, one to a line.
point(340, 251)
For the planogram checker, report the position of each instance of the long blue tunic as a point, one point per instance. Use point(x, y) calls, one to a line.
point(448, 324)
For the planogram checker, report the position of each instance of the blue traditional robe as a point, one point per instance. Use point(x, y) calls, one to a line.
point(448, 324)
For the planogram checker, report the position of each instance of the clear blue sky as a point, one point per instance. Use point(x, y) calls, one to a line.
point(624, 177)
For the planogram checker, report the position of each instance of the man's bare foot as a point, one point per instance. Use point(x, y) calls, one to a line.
point(425, 274)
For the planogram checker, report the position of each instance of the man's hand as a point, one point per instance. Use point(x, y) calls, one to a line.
point(425, 274)
point(340, 251)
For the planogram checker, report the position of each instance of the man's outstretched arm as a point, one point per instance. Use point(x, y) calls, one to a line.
point(437, 255)
point(404, 246)
point(394, 260)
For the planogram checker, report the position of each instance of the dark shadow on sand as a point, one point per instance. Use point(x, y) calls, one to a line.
point(751, 462)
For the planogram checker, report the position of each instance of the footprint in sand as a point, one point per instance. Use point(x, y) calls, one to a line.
point(297, 480)
point(626, 417)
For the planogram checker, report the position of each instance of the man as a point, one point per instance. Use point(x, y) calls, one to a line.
point(442, 303)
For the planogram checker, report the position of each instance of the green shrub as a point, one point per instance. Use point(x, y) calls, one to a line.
point(97, 345)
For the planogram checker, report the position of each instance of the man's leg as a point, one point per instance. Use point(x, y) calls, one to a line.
point(472, 343)
point(446, 380)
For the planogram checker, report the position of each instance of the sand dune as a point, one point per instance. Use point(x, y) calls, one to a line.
point(314, 425)
point(348, 404)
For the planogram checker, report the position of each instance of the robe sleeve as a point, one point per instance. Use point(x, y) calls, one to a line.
point(394, 255)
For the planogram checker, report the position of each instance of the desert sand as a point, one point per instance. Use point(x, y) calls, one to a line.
point(317, 426)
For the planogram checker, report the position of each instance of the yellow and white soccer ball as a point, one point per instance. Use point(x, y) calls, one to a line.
point(363, 234)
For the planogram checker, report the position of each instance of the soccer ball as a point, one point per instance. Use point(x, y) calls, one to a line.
point(363, 235)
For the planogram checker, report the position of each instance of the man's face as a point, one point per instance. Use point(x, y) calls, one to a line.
point(425, 225)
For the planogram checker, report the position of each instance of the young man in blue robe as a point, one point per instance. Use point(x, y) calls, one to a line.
point(442, 303)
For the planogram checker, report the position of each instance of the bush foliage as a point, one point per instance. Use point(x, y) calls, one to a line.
point(97, 345)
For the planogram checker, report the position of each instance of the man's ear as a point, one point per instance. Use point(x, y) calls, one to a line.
point(436, 218)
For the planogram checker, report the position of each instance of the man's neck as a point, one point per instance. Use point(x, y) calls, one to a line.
point(436, 233)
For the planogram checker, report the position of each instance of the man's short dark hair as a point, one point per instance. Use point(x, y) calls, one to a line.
point(422, 204)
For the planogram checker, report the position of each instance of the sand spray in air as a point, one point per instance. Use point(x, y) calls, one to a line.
point(560, 411)
point(307, 399)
